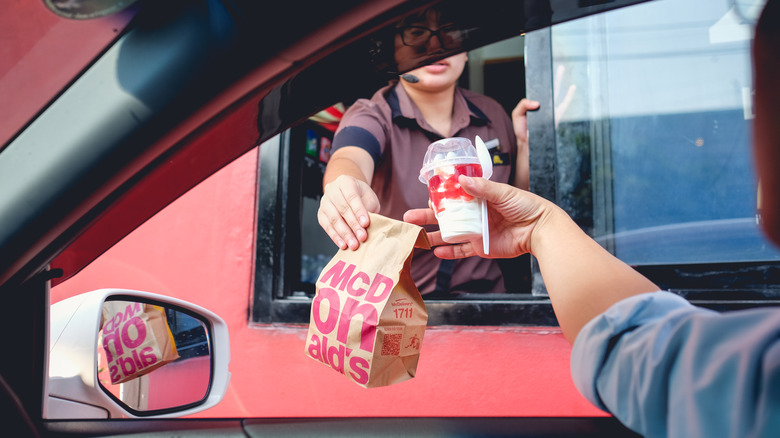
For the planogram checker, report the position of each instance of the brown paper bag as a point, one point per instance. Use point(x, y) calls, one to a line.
point(368, 318)
point(136, 339)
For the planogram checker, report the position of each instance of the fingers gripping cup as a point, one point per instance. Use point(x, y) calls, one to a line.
point(458, 213)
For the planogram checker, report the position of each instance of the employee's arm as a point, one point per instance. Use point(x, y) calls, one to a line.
point(520, 125)
point(347, 197)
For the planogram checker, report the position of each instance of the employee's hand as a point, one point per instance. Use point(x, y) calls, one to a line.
point(520, 121)
point(344, 209)
point(513, 216)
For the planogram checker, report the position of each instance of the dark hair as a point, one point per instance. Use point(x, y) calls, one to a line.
point(447, 15)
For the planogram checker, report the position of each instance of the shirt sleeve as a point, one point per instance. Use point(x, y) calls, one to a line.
point(364, 126)
point(666, 368)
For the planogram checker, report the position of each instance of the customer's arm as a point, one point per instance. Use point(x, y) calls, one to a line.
point(582, 278)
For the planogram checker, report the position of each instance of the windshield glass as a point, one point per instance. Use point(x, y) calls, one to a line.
point(41, 53)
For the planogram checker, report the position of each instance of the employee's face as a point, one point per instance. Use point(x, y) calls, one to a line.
point(440, 75)
point(428, 37)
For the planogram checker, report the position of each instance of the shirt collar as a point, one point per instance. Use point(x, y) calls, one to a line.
point(403, 110)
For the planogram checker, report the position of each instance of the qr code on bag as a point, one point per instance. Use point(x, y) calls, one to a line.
point(391, 346)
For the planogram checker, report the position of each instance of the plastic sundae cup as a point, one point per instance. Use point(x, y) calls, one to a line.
point(458, 213)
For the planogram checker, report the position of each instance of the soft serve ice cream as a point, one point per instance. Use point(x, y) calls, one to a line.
point(458, 213)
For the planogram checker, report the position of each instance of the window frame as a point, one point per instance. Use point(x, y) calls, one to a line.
point(275, 299)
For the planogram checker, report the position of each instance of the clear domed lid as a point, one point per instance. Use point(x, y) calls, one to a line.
point(447, 152)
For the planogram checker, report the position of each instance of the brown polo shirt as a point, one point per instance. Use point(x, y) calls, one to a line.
point(392, 129)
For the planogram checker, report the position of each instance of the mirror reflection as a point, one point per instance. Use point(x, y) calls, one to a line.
point(152, 357)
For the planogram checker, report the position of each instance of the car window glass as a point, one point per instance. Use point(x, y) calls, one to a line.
point(41, 53)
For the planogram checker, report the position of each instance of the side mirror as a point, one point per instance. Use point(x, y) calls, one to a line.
point(117, 353)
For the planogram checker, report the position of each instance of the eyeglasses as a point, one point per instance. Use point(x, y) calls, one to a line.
point(450, 37)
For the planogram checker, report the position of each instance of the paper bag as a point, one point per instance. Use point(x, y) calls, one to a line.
point(368, 318)
point(136, 339)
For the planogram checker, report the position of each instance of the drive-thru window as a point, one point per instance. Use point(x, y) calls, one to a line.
point(643, 137)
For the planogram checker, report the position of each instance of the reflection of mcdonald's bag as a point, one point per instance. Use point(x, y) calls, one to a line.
point(136, 339)
point(368, 318)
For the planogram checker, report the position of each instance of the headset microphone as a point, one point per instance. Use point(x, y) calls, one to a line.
point(412, 79)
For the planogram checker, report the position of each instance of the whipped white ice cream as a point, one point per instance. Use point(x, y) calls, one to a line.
point(460, 220)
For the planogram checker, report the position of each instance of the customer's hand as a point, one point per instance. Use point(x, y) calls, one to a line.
point(513, 215)
point(581, 277)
